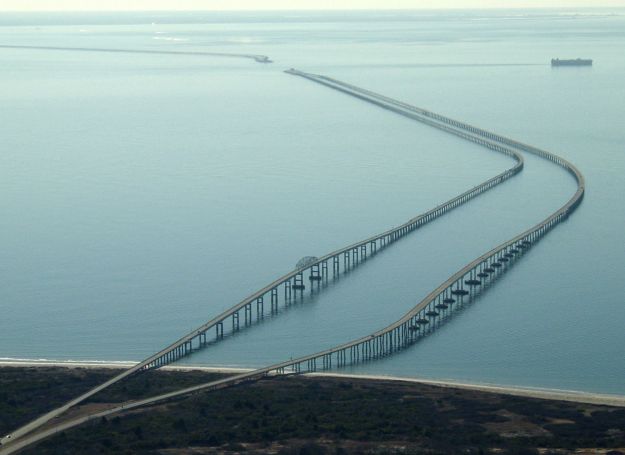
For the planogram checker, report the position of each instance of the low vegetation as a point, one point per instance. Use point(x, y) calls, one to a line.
point(300, 415)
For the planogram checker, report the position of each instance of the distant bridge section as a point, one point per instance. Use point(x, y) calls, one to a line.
point(255, 57)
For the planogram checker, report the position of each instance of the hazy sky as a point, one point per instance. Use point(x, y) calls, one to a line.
point(33, 5)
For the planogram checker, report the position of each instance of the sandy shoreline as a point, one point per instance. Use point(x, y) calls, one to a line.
point(545, 394)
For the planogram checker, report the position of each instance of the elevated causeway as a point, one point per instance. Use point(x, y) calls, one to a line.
point(459, 289)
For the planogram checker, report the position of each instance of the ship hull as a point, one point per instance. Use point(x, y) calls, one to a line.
point(575, 62)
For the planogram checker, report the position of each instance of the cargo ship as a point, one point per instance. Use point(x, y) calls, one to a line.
point(572, 62)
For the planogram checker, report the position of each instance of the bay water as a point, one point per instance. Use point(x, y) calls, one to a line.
point(140, 195)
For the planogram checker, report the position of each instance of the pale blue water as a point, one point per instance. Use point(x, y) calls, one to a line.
point(142, 194)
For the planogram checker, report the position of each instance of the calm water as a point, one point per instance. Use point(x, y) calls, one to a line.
point(142, 194)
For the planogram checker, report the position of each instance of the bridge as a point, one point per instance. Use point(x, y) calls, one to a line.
point(455, 292)
point(256, 57)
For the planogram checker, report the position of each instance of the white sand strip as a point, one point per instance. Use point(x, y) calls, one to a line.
point(545, 394)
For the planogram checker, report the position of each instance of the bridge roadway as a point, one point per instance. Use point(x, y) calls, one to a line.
point(475, 275)
point(256, 57)
point(293, 281)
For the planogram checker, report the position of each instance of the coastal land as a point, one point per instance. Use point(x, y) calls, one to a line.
point(320, 413)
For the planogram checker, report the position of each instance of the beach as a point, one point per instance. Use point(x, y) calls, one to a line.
point(544, 394)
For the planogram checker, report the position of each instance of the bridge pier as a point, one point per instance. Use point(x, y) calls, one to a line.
point(373, 246)
point(235, 321)
point(287, 291)
point(315, 274)
point(260, 308)
point(248, 313)
point(274, 300)
point(298, 282)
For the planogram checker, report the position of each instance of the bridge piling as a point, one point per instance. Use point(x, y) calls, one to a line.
point(299, 282)
point(287, 292)
point(247, 313)
point(274, 300)
point(235, 321)
point(315, 273)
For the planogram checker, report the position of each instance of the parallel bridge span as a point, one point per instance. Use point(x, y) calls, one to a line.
point(472, 278)
point(293, 282)
point(461, 285)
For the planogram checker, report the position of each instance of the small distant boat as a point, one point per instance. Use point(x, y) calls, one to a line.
point(571, 62)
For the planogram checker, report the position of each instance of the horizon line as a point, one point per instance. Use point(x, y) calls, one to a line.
point(252, 10)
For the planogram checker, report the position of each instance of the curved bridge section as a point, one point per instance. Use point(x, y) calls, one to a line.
point(468, 282)
point(385, 100)
point(290, 285)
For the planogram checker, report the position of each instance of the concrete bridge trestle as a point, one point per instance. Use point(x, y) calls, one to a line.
point(426, 316)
